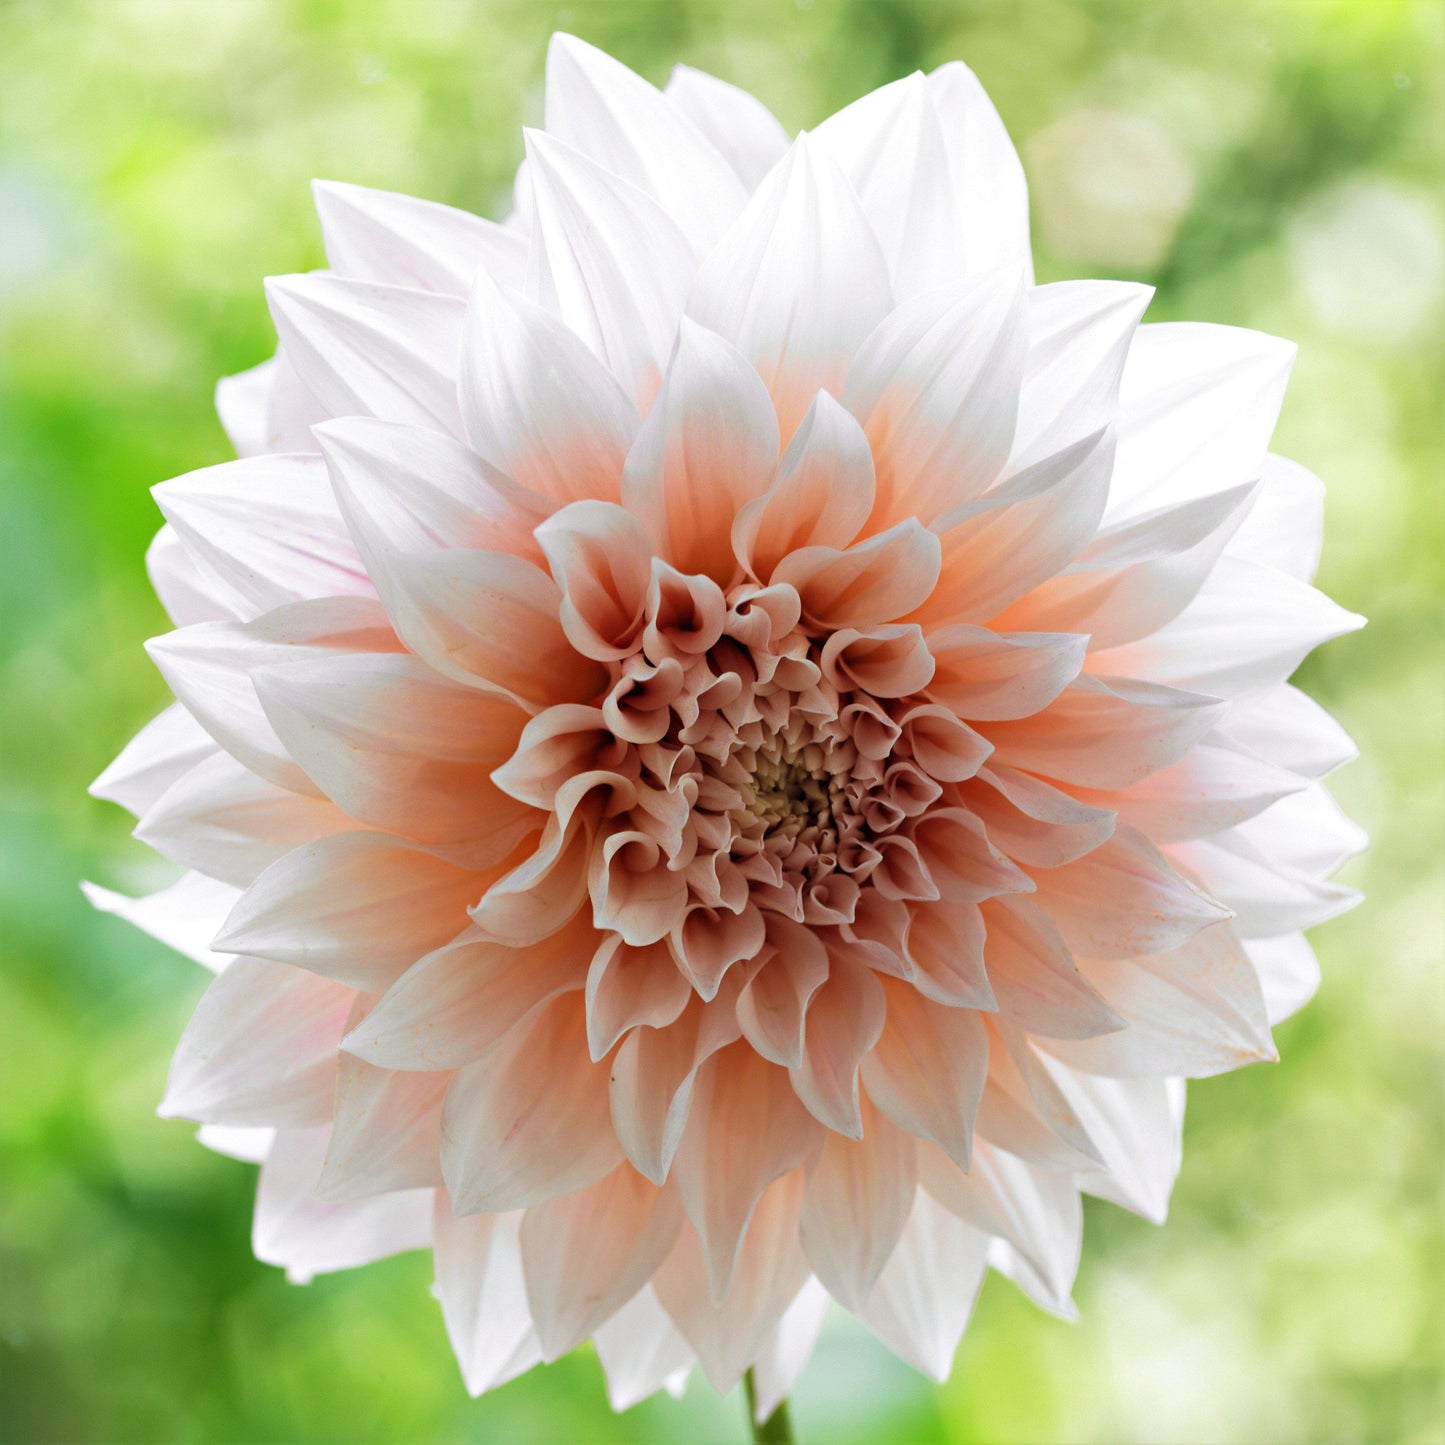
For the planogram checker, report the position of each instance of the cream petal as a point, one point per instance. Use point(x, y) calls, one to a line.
point(483, 1296)
point(499, 1150)
point(797, 282)
point(1124, 899)
point(987, 676)
point(1289, 973)
point(742, 128)
point(746, 1128)
point(641, 1351)
point(165, 749)
point(927, 1071)
point(401, 240)
point(936, 387)
point(921, 1304)
point(371, 350)
point(771, 1269)
point(1285, 527)
point(822, 496)
point(357, 907)
point(187, 593)
point(308, 1236)
point(241, 405)
point(584, 1255)
point(186, 916)
point(1289, 729)
point(398, 747)
point(708, 447)
point(535, 401)
point(268, 527)
point(224, 821)
point(260, 1049)
point(608, 260)
point(454, 1004)
point(859, 1196)
point(1037, 983)
point(627, 127)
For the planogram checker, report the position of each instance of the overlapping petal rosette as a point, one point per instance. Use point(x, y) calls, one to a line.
point(731, 750)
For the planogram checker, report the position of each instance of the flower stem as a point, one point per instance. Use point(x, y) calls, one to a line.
point(777, 1429)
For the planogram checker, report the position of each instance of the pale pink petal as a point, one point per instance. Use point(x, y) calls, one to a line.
point(186, 916)
point(797, 282)
point(708, 447)
point(1289, 973)
point(859, 1197)
point(641, 1351)
point(187, 593)
point(630, 129)
point(381, 236)
point(499, 1149)
point(451, 1006)
point(260, 1049)
point(364, 349)
point(584, 1255)
point(165, 749)
point(785, 1354)
point(743, 129)
point(1285, 527)
point(920, 1306)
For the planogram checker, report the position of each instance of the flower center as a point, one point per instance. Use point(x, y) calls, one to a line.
point(793, 793)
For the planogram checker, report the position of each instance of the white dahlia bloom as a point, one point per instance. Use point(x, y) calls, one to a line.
point(731, 750)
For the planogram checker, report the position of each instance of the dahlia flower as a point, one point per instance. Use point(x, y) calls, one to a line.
point(730, 750)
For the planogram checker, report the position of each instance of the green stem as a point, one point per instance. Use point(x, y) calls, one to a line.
point(777, 1429)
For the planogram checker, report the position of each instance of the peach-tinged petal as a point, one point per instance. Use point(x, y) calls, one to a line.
point(541, 893)
point(260, 1048)
point(936, 388)
point(961, 862)
point(942, 744)
point(845, 1018)
point(860, 1193)
point(797, 282)
point(1106, 732)
point(773, 1003)
point(633, 891)
point(925, 1294)
point(529, 1121)
point(483, 1296)
point(381, 236)
point(986, 676)
point(746, 1128)
point(878, 580)
point(822, 496)
point(371, 350)
point(928, 1069)
point(708, 447)
point(450, 1007)
point(945, 946)
point(1035, 824)
point(652, 1076)
point(625, 125)
point(536, 403)
point(884, 661)
point(601, 558)
point(584, 1255)
point(628, 987)
point(608, 260)
point(771, 1269)
point(357, 907)
point(1124, 899)
point(1035, 979)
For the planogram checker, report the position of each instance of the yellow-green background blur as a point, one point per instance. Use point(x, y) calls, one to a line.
point(1273, 165)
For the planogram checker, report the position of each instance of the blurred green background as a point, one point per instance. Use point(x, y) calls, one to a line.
point(1272, 165)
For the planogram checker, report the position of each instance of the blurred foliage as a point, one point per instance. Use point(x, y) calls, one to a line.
point(1266, 164)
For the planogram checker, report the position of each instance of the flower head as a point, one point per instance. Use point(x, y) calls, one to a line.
point(730, 749)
